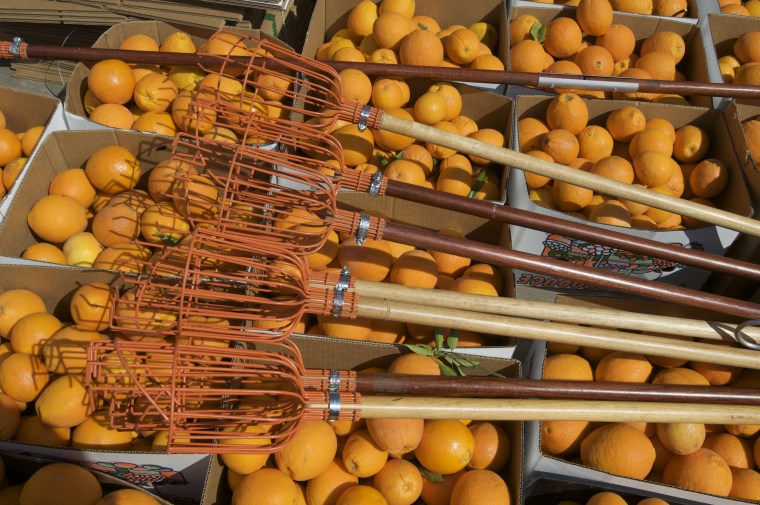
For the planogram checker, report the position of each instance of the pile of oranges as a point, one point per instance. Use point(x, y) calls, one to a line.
point(392, 33)
point(612, 498)
point(629, 148)
point(380, 461)
point(15, 148)
point(739, 8)
point(741, 67)
point(714, 459)
point(68, 484)
point(669, 8)
point(591, 44)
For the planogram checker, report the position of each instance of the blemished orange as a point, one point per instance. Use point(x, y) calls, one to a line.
point(10, 173)
point(594, 143)
point(23, 376)
point(90, 306)
point(362, 456)
point(113, 169)
point(625, 122)
point(736, 451)
point(492, 446)
point(10, 147)
point(620, 366)
point(594, 16)
point(619, 449)
point(266, 486)
point(703, 470)
point(361, 495)
point(32, 430)
point(421, 47)
point(64, 403)
point(561, 145)
point(63, 484)
point(450, 264)
point(559, 438)
point(42, 251)
point(567, 367)
point(31, 331)
point(482, 487)
point(311, 451)
point(326, 488)
point(462, 46)
point(415, 268)
point(15, 304)
point(74, 183)
point(527, 56)
point(606, 498)
point(446, 446)
point(530, 132)
point(563, 37)
point(398, 436)
point(709, 178)
point(414, 364)
point(399, 481)
point(653, 168)
point(111, 81)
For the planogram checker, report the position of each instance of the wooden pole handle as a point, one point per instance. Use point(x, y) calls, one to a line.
point(411, 407)
point(611, 318)
point(556, 332)
point(556, 171)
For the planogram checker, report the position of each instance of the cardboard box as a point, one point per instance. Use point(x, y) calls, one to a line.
point(24, 110)
point(694, 64)
point(175, 477)
point(713, 239)
point(111, 39)
point(327, 353)
point(724, 30)
point(330, 16)
point(63, 150)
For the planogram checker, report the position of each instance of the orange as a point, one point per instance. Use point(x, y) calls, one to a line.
point(560, 438)
point(439, 493)
point(650, 139)
point(594, 143)
point(23, 376)
point(74, 183)
point(482, 487)
point(162, 223)
point(446, 446)
point(405, 7)
point(362, 456)
point(618, 449)
point(162, 176)
point(361, 495)
point(245, 463)
point(357, 145)
point(594, 60)
point(527, 56)
point(492, 447)
point(266, 486)
point(717, 375)
point(625, 122)
point(10, 418)
point(31, 331)
point(462, 46)
point(66, 351)
point(634, 73)
point(387, 331)
point(567, 367)
point(370, 261)
point(439, 151)
point(745, 484)
point(561, 145)
point(654, 168)
point(681, 438)
point(325, 488)
point(455, 175)
point(659, 65)
point(474, 285)
point(633, 6)
point(709, 178)
point(386, 56)
point(703, 471)
point(734, 450)
point(610, 212)
point(160, 123)
point(356, 86)
point(43, 251)
point(487, 62)
point(563, 67)
point(311, 451)
point(399, 481)
point(666, 42)
point(113, 115)
point(745, 47)
point(390, 28)
point(450, 264)
point(426, 23)
point(520, 27)
point(91, 306)
point(490, 136)
point(670, 8)
point(195, 196)
point(2, 120)
point(361, 18)
point(619, 40)
point(139, 42)
point(535, 181)
point(606, 498)
point(347, 54)
point(415, 268)
point(178, 42)
point(10, 148)
point(430, 108)
point(32, 430)
point(387, 94)
point(116, 224)
point(128, 497)
point(594, 16)
point(124, 257)
point(64, 403)
point(530, 132)
point(735, 9)
point(395, 435)
point(30, 139)
point(113, 169)
point(414, 364)
point(563, 37)
point(14, 305)
point(421, 47)
point(622, 366)
point(11, 172)
point(453, 101)
point(111, 81)
point(62, 484)
point(81, 249)
point(188, 116)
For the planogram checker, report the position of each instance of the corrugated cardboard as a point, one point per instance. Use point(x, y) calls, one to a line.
point(724, 30)
point(694, 63)
point(111, 39)
point(330, 16)
point(63, 150)
point(712, 239)
point(22, 111)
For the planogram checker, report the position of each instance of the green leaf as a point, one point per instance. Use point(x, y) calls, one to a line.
point(168, 239)
point(478, 184)
point(453, 339)
point(538, 32)
point(465, 362)
point(438, 336)
point(424, 350)
point(383, 160)
point(447, 370)
point(431, 476)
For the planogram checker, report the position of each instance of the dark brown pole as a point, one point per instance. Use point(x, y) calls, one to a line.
point(577, 273)
point(536, 221)
point(497, 387)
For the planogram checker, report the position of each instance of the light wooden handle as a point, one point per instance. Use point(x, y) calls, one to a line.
point(588, 180)
point(496, 409)
point(611, 318)
point(556, 332)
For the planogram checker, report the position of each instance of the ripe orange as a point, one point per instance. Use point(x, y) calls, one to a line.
point(357, 145)
point(430, 108)
point(395, 435)
point(567, 367)
point(311, 451)
point(10, 417)
point(61, 483)
point(32, 430)
point(91, 306)
point(650, 139)
point(594, 60)
point(111, 81)
point(370, 261)
point(561, 145)
point(160, 123)
point(482, 487)
point(266, 486)
point(30, 139)
point(606, 498)
point(736, 451)
point(520, 27)
point(64, 403)
point(439, 151)
point(399, 481)
point(563, 37)
point(453, 102)
point(362, 456)
point(703, 470)
point(563, 437)
point(10, 148)
point(492, 447)
point(439, 493)
point(625, 122)
point(414, 364)
point(415, 268)
point(681, 438)
point(450, 264)
point(666, 42)
point(462, 46)
point(654, 168)
point(361, 495)
point(527, 56)
point(14, 305)
point(622, 366)
point(530, 132)
point(11, 172)
point(30, 332)
point(326, 488)
point(709, 178)
point(594, 143)
point(619, 40)
point(390, 28)
point(113, 169)
point(54, 218)
point(594, 16)
point(446, 446)
point(116, 224)
point(113, 115)
point(74, 183)
point(65, 352)
point(619, 449)
point(23, 376)
point(490, 136)
point(421, 47)
point(361, 18)
point(745, 47)
point(659, 65)
point(426, 23)
point(43, 251)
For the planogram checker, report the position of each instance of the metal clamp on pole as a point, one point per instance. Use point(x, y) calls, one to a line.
point(333, 408)
point(363, 230)
point(363, 117)
point(340, 290)
point(376, 184)
point(333, 385)
point(744, 339)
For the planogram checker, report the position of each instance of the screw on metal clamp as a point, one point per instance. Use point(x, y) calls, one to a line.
point(377, 181)
point(363, 230)
point(340, 290)
point(333, 385)
point(333, 406)
point(363, 117)
point(15, 48)
point(742, 338)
